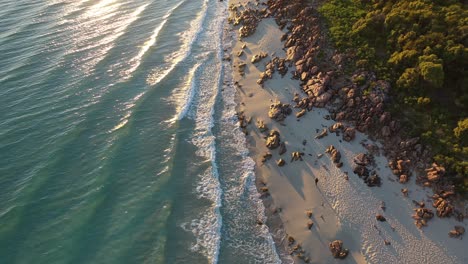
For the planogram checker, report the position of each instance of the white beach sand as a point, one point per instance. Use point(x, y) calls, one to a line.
point(342, 209)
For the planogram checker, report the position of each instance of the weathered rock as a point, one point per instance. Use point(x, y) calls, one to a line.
point(458, 231)
point(443, 206)
point(310, 223)
point(349, 134)
point(373, 181)
point(403, 178)
point(361, 171)
point(273, 140)
point(380, 218)
point(322, 134)
point(280, 162)
point(334, 153)
point(279, 111)
point(261, 126)
point(362, 159)
point(336, 127)
point(336, 248)
point(423, 213)
point(301, 113)
point(435, 172)
point(258, 57)
point(296, 156)
point(386, 132)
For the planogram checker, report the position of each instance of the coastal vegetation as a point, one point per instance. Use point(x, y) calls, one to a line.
point(419, 46)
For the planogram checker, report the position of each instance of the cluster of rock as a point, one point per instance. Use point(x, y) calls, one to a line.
point(295, 249)
point(243, 122)
point(361, 163)
point(435, 172)
point(262, 127)
point(337, 250)
point(302, 103)
point(276, 64)
point(258, 57)
point(349, 133)
point(279, 111)
point(400, 168)
point(421, 216)
point(248, 18)
point(443, 206)
point(296, 155)
point(335, 156)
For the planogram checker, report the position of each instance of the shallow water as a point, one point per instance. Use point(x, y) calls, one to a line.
point(118, 138)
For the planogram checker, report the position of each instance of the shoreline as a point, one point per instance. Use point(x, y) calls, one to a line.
point(290, 192)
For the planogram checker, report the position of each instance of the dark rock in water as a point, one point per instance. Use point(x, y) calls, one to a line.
point(336, 248)
point(304, 142)
point(380, 218)
point(282, 148)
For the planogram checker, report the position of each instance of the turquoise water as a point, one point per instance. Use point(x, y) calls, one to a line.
point(118, 137)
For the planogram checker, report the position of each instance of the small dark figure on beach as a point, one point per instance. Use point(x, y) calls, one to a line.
point(316, 181)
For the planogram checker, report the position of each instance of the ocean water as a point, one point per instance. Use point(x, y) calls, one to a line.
point(118, 136)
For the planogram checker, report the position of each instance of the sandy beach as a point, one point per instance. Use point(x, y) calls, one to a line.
point(341, 205)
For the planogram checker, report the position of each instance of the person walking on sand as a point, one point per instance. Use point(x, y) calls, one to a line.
point(316, 181)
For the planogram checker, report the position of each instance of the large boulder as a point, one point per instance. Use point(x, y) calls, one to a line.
point(278, 111)
point(273, 140)
point(435, 172)
point(337, 250)
point(349, 134)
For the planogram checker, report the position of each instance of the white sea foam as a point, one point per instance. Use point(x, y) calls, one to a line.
point(246, 170)
point(136, 61)
point(188, 39)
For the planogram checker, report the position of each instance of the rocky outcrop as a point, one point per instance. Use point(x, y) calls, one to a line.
point(258, 57)
point(337, 250)
point(261, 126)
point(322, 134)
point(273, 139)
point(361, 163)
point(443, 206)
point(335, 155)
point(435, 172)
point(349, 134)
point(296, 156)
point(248, 18)
point(421, 216)
point(279, 111)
